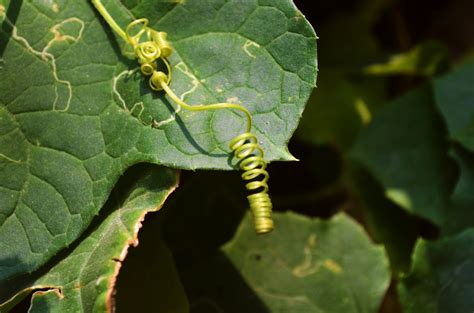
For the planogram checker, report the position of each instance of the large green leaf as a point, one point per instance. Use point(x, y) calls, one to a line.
point(306, 266)
point(336, 112)
point(405, 149)
point(454, 97)
point(387, 222)
point(460, 213)
point(82, 279)
point(74, 112)
point(441, 279)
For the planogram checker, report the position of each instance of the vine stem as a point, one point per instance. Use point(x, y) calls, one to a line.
point(215, 106)
point(164, 84)
point(105, 14)
point(245, 146)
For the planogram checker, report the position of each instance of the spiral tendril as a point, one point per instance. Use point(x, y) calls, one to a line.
point(247, 149)
point(150, 46)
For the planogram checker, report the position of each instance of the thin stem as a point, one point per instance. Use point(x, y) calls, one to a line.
point(216, 106)
point(105, 14)
point(164, 84)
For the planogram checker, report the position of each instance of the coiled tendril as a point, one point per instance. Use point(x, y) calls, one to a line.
point(149, 46)
point(247, 149)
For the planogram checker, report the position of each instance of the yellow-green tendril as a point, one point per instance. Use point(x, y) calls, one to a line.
point(105, 14)
point(150, 46)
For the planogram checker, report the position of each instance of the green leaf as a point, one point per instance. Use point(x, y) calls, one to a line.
point(306, 265)
point(454, 97)
point(82, 278)
point(405, 150)
point(441, 276)
point(261, 55)
point(426, 59)
point(460, 213)
point(339, 109)
point(73, 112)
point(386, 222)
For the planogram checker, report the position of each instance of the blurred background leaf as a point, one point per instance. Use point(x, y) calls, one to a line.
point(441, 279)
point(405, 149)
point(345, 97)
point(460, 213)
point(387, 222)
point(306, 265)
point(426, 59)
point(454, 96)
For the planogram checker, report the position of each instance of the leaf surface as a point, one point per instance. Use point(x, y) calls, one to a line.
point(460, 213)
point(386, 222)
point(75, 114)
point(82, 279)
point(441, 276)
point(405, 149)
point(305, 265)
point(454, 97)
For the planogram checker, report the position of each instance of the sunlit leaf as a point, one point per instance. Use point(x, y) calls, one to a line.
point(75, 114)
point(306, 265)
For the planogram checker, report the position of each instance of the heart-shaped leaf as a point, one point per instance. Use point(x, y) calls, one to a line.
point(405, 149)
point(74, 114)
